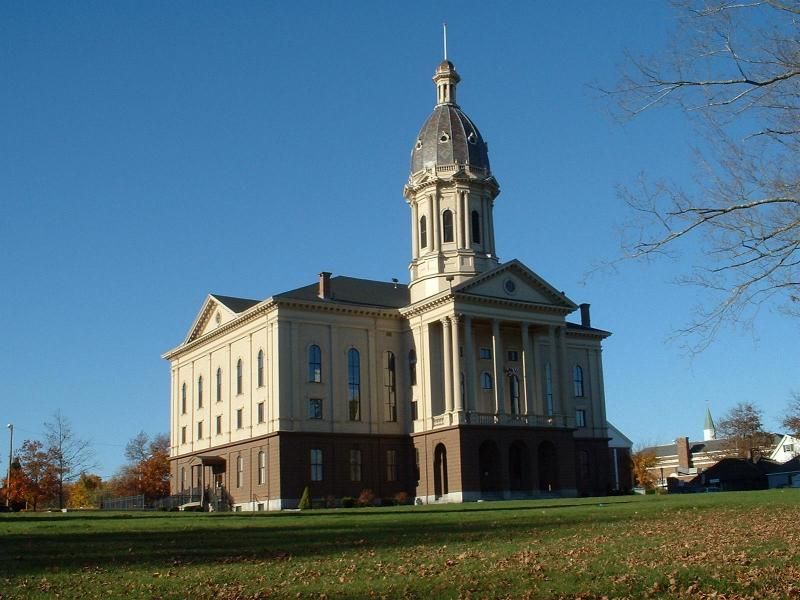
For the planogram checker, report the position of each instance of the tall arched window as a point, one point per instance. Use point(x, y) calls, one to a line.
point(412, 367)
point(239, 376)
point(260, 368)
point(423, 232)
point(354, 384)
point(476, 227)
point(239, 471)
point(577, 379)
point(314, 364)
point(183, 398)
point(219, 384)
point(447, 226)
point(390, 389)
point(513, 389)
point(200, 392)
point(548, 388)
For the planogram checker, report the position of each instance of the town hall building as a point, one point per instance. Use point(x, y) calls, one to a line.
point(468, 383)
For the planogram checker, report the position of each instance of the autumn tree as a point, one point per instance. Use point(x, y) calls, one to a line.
point(147, 470)
point(792, 419)
point(642, 462)
point(35, 482)
point(733, 68)
point(85, 492)
point(744, 431)
point(70, 456)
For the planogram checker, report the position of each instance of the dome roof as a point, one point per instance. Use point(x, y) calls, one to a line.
point(448, 137)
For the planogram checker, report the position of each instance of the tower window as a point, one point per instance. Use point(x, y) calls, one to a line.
point(412, 367)
point(260, 369)
point(476, 227)
point(219, 385)
point(423, 232)
point(200, 392)
point(239, 376)
point(486, 381)
point(447, 226)
point(183, 398)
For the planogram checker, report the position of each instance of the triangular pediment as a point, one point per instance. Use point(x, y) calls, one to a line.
point(216, 312)
point(514, 282)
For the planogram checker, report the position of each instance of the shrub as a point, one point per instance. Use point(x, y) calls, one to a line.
point(348, 502)
point(305, 500)
point(402, 498)
point(330, 501)
point(388, 502)
point(366, 498)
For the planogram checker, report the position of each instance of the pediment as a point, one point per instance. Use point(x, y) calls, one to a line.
point(215, 313)
point(514, 282)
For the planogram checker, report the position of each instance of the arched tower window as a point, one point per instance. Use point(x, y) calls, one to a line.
point(314, 364)
point(239, 376)
point(412, 367)
point(219, 384)
point(423, 232)
point(447, 226)
point(577, 379)
point(476, 227)
point(354, 384)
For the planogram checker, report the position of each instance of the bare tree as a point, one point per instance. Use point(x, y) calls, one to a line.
point(733, 67)
point(743, 429)
point(792, 419)
point(70, 456)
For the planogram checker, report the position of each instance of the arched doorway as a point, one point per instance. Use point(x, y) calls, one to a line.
point(489, 464)
point(548, 467)
point(519, 467)
point(439, 471)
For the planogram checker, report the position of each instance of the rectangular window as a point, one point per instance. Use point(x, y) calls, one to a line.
point(219, 425)
point(315, 408)
point(316, 464)
point(485, 353)
point(262, 468)
point(414, 411)
point(788, 447)
point(200, 430)
point(513, 356)
point(239, 418)
point(260, 412)
point(239, 471)
point(580, 417)
point(390, 389)
point(183, 434)
point(355, 464)
point(391, 465)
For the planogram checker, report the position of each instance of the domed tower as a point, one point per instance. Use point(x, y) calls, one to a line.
point(451, 193)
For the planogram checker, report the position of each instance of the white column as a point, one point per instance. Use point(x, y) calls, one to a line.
point(414, 231)
point(458, 220)
point(435, 233)
point(447, 355)
point(526, 368)
point(458, 398)
point(467, 221)
point(497, 352)
point(469, 370)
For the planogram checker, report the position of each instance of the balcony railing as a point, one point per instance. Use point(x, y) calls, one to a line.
point(479, 418)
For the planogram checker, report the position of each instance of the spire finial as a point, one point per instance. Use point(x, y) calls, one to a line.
point(444, 35)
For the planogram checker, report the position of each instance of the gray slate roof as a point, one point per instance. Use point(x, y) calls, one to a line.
point(350, 290)
point(237, 305)
point(462, 143)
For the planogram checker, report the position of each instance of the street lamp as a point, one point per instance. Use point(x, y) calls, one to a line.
point(10, 450)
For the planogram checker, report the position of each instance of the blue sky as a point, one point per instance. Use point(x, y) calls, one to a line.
point(156, 152)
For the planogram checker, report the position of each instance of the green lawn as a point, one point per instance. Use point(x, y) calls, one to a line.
point(731, 545)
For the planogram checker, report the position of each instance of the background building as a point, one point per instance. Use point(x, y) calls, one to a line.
point(467, 383)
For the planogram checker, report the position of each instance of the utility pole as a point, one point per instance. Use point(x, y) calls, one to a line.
point(10, 451)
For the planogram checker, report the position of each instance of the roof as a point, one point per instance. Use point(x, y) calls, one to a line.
point(237, 305)
point(447, 137)
point(709, 424)
point(350, 290)
point(723, 445)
